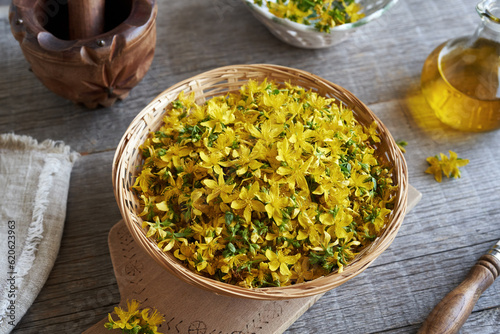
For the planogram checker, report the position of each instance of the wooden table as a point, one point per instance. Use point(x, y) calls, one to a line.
point(454, 224)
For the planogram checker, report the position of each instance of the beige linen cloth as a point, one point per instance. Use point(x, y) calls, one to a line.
point(34, 182)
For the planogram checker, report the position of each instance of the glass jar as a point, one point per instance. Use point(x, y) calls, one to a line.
point(460, 78)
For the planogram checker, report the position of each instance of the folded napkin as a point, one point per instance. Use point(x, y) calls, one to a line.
point(34, 182)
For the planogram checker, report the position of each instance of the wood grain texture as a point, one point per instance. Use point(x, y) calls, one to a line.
point(454, 310)
point(86, 18)
point(82, 61)
point(456, 222)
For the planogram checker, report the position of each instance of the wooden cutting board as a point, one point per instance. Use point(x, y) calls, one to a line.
point(191, 310)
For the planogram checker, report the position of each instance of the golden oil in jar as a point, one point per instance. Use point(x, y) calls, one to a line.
point(460, 81)
point(461, 78)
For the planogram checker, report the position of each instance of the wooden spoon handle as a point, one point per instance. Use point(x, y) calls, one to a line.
point(451, 313)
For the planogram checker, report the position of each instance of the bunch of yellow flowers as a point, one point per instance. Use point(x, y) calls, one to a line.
point(323, 14)
point(441, 164)
point(134, 320)
point(269, 186)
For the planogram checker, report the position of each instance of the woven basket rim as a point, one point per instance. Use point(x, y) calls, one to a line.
point(232, 73)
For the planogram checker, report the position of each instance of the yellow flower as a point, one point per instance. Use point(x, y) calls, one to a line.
point(372, 132)
point(289, 10)
point(442, 165)
point(148, 203)
point(219, 113)
point(184, 252)
point(134, 321)
point(185, 102)
point(274, 101)
point(247, 159)
point(144, 180)
point(126, 318)
point(333, 186)
point(354, 12)
point(173, 189)
point(223, 143)
point(253, 88)
point(435, 168)
point(401, 145)
point(381, 218)
point(295, 173)
point(214, 160)
point(155, 228)
point(301, 271)
point(192, 170)
point(219, 188)
point(342, 220)
point(154, 319)
point(451, 165)
point(281, 261)
point(300, 137)
point(362, 182)
point(248, 202)
point(267, 132)
point(174, 154)
point(275, 203)
point(309, 228)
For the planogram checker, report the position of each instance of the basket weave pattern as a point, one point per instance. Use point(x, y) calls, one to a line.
point(218, 82)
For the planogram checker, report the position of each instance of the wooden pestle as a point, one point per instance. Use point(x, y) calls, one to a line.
point(86, 18)
point(451, 313)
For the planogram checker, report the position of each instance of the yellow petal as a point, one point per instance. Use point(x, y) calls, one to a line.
point(212, 196)
point(178, 255)
point(258, 206)
point(248, 214)
point(201, 265)
point(270, 210)
point(169, 246)
point(210, 183)
point(162, 206)
point(254, 238)
point(271, 255)
point(327, 219)
point(284, 270)
point(273, 265)
point(283, 171)
point(238, 204)
point(302, 235)
point(204, 156)
point(151, 232)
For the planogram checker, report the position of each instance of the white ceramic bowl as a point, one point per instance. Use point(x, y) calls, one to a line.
point(307, 37)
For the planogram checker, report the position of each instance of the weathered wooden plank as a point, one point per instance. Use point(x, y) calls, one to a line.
point(370, 303)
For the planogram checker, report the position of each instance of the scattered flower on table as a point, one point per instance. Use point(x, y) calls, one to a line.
point(441, 164)
point(134, 320)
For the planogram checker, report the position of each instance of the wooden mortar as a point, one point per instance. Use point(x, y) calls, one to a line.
point(88, 51)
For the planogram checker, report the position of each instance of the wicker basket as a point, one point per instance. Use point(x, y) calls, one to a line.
point(219, 82)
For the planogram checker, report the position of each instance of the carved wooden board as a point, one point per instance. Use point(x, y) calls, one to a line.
point(191, 310)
